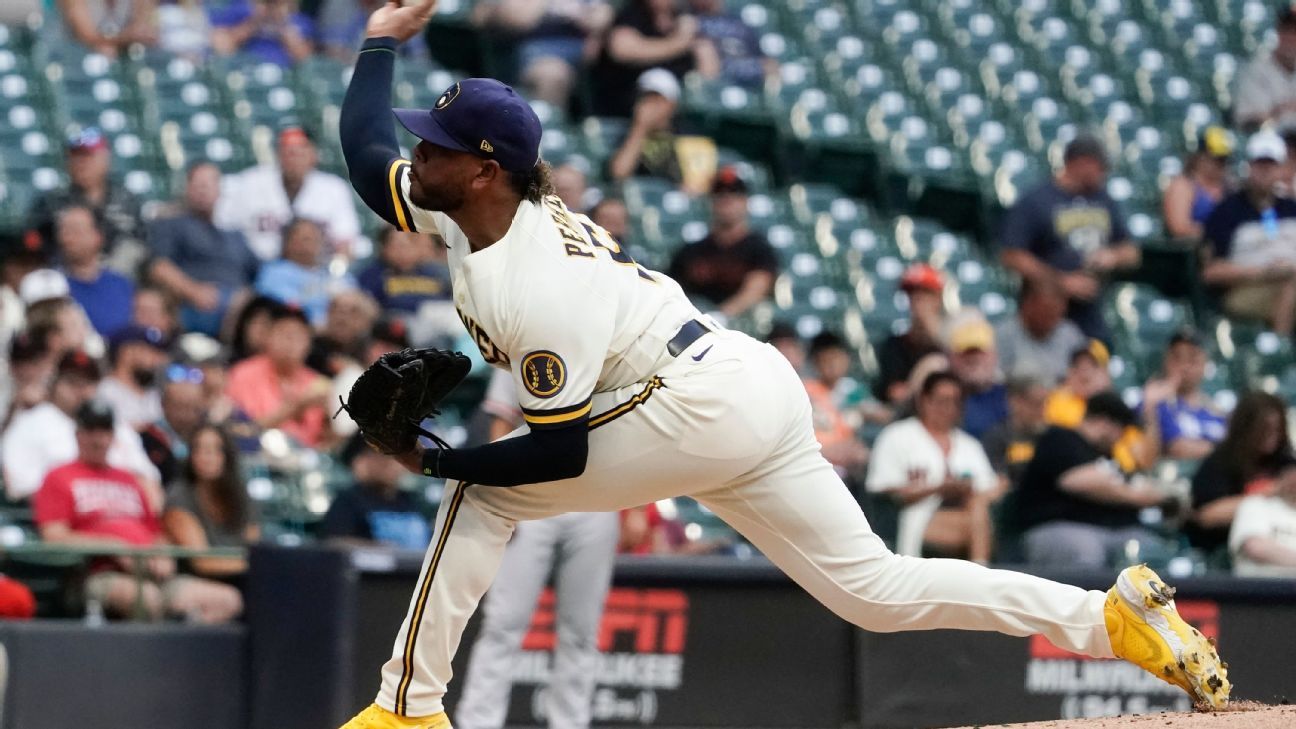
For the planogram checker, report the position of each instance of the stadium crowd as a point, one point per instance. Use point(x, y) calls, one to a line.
point(154, 364)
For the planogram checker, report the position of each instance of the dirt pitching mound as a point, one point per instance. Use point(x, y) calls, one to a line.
point(1239, 715)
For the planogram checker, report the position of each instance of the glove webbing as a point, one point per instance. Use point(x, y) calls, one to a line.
point(416, 427)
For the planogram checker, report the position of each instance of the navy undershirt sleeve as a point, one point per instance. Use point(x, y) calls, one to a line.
point(366, 127)
point(536, 457)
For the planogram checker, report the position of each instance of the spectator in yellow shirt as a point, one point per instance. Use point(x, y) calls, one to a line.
point(1087, 376)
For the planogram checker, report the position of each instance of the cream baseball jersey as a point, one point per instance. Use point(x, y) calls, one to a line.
point(558, 302)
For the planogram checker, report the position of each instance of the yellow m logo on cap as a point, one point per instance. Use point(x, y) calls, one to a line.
point(486, 146)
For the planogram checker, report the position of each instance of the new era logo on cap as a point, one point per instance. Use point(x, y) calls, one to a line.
point(480, 116)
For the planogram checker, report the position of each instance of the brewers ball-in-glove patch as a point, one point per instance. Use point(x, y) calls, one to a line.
point(395, 394)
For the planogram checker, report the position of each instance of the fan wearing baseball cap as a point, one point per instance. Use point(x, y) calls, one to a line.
point(1070, 229)
point(898, 353)
point(733, 267)
point(1191, 195)
point(260, 201)
point(1251, 241)
point(116, 209)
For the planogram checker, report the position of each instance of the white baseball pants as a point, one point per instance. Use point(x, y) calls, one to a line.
point(727, 422)
point(580, 549)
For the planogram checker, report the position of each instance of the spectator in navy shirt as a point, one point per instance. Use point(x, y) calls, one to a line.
point(106, 296)
point(1176, 413)
point(404, 276)
point(272, 31)
point(375, 510)
point(974, 361)
point(734, 42)
point(1251, 238)
point(199, 264)
point(1070, 229)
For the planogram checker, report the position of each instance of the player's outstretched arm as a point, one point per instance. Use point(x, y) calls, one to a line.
point(366, 126)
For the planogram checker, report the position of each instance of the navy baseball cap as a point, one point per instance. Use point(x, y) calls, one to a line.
point(94, 415)
point(480, 116)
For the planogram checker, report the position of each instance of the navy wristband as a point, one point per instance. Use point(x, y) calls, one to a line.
point(385, 42)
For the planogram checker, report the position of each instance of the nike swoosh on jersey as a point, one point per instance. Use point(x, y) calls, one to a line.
point(698, 357)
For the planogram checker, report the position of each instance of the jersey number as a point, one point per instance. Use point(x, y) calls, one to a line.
point(594, 235)
point(603, 239)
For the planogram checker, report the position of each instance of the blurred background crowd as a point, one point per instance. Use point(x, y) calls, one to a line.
point(1043, 308)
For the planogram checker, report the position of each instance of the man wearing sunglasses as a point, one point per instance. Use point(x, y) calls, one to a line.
point(166, 439)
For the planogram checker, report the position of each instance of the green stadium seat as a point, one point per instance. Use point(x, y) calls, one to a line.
point(883, 312)
point(877, 14)
point(264, 96)
point(1091, 88)
point(883, 116)
point(1144, 320)
point(966, 115)
point(1179, 20)
point(755, 174)
point(780, 47)
point(972, 30)
point(203, 135)
point(642, 193)
point(321, 81)
point(866, 245)
point(558, 143)
point(1048, 122)
point(809, 201)
point(998, 67)
point(1167, 94)
point(755, 15)
point(903, 29)
point(943, 87)
point(788, 241)
point(602, 135)
point(1014, 173)
point(919, 60)
point(1023, 89)
point(827, 25)
point(34, 149)
point(1260, 355)
point(1049, 36)
point(765, 211)
point(15, 199)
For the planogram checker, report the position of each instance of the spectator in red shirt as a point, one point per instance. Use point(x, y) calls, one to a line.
point(276, 389)
point(16, 600)
point(89, 502)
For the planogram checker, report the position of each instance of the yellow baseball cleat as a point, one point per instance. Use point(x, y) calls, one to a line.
point(1146, 630)
point(376, 717)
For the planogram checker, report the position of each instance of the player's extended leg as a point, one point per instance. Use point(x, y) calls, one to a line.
point(805, 520)
point(506, 614)
point(581, 582)
point(696, 427)
point(800, 515)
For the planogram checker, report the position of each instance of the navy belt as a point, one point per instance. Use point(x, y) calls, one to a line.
point(687, 334)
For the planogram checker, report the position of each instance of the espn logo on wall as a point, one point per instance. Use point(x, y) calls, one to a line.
point(1090, 687)
point(641, 642)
